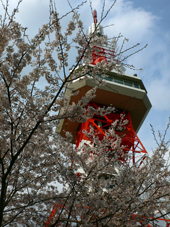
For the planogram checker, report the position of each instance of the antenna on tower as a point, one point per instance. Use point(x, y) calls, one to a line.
point(95, 16)
point(95, 27)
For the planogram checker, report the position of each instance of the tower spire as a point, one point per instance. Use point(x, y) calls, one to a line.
point(95, 16)
point(95, 27)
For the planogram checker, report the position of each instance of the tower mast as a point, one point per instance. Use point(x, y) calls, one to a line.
point(125, 92)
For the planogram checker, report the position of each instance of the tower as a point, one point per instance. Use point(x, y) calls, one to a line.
point(124, 92)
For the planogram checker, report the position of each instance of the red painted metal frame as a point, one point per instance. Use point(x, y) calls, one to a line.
point(158, 219)
point(129, 139)
point(99, 54)
point(128, 135)
point(59, 206)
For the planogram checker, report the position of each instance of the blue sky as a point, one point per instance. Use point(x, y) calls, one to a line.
point(141, 21)
point(158, 83)
point(159, 8)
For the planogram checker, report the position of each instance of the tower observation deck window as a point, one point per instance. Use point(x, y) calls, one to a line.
point(117, 80)
point(128, 83)
point(136, 85)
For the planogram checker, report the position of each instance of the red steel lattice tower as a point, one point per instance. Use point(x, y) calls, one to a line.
point(126, 93)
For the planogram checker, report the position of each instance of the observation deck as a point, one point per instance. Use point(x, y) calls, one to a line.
point(122, 91)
